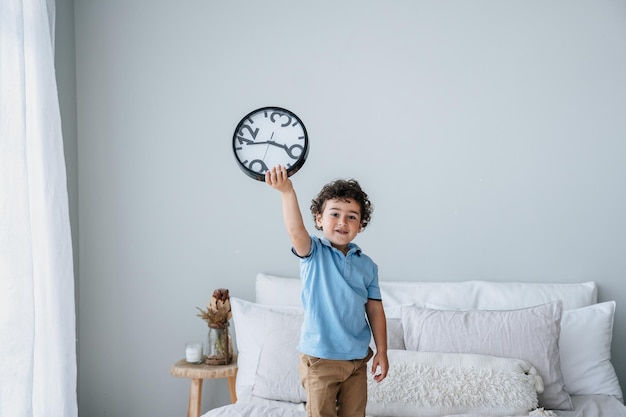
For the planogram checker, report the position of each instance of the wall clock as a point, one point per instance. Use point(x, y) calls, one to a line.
point(267, 137)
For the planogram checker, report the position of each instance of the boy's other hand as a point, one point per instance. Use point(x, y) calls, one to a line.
point(380, 366)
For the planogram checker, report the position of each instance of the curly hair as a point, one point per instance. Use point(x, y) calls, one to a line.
point(343, 190)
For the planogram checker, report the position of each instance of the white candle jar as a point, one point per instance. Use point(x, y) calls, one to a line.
point(193, 352)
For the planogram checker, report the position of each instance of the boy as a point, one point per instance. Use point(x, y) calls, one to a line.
point(339, 289)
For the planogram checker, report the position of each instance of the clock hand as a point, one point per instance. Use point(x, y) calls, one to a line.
point(267, 149)
point(288, 149)
point(251, 142)
point(246, 141)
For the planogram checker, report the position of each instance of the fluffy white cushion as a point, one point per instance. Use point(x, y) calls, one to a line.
point(277, 376)
point(585, 346)
point(436, 384)
point(530, 334)
point(249, 322)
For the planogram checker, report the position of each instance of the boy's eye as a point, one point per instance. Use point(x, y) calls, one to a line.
point(334, 214)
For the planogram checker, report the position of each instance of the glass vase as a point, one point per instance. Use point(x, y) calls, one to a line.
point(219, 346)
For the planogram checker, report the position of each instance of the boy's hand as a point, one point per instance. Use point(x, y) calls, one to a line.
point(380, 366)
point(277, 179)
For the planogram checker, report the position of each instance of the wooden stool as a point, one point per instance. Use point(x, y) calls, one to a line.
point(197, 372)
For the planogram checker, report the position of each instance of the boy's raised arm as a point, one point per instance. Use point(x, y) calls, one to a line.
point(277, 179)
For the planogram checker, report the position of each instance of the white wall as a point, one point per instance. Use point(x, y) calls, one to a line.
point(490, 136)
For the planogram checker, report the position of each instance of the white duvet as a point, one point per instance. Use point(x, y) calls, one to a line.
point(584, 406)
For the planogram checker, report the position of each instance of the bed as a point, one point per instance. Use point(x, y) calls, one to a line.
point(472, 348)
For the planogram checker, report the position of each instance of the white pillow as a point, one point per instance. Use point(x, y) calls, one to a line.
point(280, 291)
point(395, 335)
point(268, 357)
point(585, 350)
point(489, 295)
point(276, 369)
point(277, 376)
point(249, 323)
point(585, 345)
point(436, 384)
point(483, 295)
point(530, 334)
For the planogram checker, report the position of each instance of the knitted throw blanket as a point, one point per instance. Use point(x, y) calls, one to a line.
point(435, 384)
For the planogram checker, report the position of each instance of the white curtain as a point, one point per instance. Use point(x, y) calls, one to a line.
point(37, 316)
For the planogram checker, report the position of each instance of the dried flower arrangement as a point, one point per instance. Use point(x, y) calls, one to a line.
point(217, 316)
point(218, 311)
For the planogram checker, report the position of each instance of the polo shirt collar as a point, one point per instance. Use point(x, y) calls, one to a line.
point(352, 247)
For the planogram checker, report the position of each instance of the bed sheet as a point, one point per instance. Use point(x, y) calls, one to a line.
point(584, 406)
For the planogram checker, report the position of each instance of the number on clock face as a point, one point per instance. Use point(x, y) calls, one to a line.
point(268, 137)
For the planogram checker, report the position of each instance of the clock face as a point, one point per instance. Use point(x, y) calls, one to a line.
point(268, 137)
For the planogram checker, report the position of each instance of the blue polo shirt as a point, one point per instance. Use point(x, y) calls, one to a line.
point(335, 289)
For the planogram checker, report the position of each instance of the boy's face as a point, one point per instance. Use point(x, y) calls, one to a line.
point(340, 222)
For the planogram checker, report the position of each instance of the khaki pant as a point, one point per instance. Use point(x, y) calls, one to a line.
point(334, 388)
